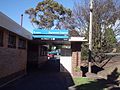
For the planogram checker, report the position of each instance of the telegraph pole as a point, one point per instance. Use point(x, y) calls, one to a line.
point(90, 36)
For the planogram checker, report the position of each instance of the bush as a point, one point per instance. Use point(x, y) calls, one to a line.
point(84, 52)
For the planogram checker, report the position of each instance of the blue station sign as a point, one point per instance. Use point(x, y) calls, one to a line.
point(44, 33)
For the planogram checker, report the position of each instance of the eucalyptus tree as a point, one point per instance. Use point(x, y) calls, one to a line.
point(49, 13)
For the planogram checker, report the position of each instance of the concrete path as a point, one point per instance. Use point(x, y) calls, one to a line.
point(47, 78)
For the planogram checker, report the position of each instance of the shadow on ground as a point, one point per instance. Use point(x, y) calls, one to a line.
point(95, 69)
point(111, 83)
point(47, 78)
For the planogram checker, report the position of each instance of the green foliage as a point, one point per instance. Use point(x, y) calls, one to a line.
point(110, 36)
point(80, 81)
point(77, 69)
point(84, 52)
point(105, 15)
point(44, 14)
point(109, 41)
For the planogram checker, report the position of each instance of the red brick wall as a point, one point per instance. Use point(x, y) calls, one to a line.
point(37, 54)
point(12, 60)
point(76, 55)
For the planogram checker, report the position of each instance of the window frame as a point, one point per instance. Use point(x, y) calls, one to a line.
point(1, 38)
point(22, 43)
point(11, 40)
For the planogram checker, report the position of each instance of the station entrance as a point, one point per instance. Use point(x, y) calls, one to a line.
point(69, 57)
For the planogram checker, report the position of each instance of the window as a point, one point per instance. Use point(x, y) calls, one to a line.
point(1, 38)
point(22, 43)
point(12, 40)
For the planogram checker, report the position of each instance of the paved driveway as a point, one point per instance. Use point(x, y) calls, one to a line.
point(46, 78)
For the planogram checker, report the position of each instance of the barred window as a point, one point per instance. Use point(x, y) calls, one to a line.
point(12, 40)
point(22, 43)
point(1, 38)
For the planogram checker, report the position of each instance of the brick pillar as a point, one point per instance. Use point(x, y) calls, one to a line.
point(76, 56)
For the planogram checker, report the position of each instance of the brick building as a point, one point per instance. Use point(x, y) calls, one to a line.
point(13, 49)
point(18, 51)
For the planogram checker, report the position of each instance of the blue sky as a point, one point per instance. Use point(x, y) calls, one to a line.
point(14, 9)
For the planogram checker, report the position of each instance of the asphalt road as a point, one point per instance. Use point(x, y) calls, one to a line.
point(47, 78)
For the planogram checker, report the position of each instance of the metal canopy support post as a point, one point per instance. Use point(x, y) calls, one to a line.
point(90, 36)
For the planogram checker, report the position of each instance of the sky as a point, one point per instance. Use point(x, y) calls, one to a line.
point(14, 9)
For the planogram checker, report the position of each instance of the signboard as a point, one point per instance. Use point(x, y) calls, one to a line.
point(50, 36)
point(44, 33)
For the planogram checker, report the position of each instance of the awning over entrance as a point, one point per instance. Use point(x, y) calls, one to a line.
point(50, 34)
point(78, 39)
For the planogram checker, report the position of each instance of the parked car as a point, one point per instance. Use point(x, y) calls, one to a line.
point(50, 55)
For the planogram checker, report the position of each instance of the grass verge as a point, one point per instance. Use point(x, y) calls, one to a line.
point(89, 84)
point(80, 81)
